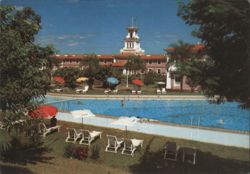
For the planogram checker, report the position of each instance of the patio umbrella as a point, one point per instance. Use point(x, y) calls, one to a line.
point(58, 79)
point(137, 82)
point(161, 84)
point(112, 80)
point(82, 79)
point(44, 111)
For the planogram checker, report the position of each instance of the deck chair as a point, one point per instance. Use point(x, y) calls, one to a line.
point(115, 91)
point(189, 155)
point(78, 90)
point(106, 91)
point(58, 90)
point(158, 91)
point(163, 91)
point(139, 92)
point(44, 130)
point(73, 135)
point(86, 89)
point(88, 137)
point(171, 151)
point(130, 146)
point(113, 144)
point(133, 92)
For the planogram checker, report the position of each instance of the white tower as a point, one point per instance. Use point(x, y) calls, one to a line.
point(132, 42)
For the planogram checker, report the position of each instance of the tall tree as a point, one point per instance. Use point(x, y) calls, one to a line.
point(135, 64)
point(179, 53)
point(22, 75)
point(90, 66)
point(224, 28)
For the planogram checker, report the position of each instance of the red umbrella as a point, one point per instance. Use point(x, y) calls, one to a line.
point(58, 79)
point(137, 82)
point(44, 111)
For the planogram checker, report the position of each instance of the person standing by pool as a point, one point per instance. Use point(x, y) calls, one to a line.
point(122, 103)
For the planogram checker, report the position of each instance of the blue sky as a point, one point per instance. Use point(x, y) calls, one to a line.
point(99, 26)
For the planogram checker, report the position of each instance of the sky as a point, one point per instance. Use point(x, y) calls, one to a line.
point(100, 26)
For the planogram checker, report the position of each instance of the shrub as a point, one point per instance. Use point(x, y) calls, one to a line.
point(80, 153)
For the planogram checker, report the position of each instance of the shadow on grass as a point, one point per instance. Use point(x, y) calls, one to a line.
point(14, 170)
point(26, 152)
point(206, 163)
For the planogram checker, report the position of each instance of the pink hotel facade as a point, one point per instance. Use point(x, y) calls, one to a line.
point(153, 62)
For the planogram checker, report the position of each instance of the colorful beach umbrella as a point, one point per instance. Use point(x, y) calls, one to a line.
point(137, 82)
point(44, 111)
point(58, 79)
point(112, 80)
point(82, 79)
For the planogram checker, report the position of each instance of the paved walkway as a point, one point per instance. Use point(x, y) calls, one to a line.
point(207, 136)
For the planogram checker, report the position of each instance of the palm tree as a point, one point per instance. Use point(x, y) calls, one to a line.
point(90, 66)
point(179, 54)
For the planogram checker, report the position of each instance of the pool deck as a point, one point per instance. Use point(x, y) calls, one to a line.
point(189, 133)
point(130, 96)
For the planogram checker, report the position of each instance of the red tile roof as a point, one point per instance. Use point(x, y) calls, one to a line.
point(120, 63)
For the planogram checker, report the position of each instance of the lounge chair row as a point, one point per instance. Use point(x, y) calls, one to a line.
point(87, 137)
point(161, 91)
point(107, 91)
point(172, 150)
point(136, 92)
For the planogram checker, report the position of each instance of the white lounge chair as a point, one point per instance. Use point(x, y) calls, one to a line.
point(86, 89)
point(115, 91)
point(73, 135)
point(58, 90)
point(106, 91)
point(78, 90)
point(189, 155)
point(88, 137)
point(130, 146)
point(163, 91)
point(139, 92)
point(113, 144)
point(44, 130)
point(133, 92)
point(158, 91)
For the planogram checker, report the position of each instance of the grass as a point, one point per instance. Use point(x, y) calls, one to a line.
point(211, 158)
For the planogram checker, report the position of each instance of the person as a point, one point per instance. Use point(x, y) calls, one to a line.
point(122, 103)
point(53, 121)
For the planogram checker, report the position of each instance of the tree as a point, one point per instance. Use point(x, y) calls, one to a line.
point(135, 64)
point(224, 28)
point(107, 71)
point(69, 74)
point(180, 53)
point(90, 66)
point(152, 77)
point(22, 78)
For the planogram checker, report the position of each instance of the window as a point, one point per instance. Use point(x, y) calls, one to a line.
point(177, 79)
point(159, 71)
point(149, 70)
point(159, 61)
point(150, 61)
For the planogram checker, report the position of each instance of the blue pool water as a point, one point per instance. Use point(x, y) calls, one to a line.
point(189, 112)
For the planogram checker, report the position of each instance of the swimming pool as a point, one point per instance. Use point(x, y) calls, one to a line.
point(188, 112)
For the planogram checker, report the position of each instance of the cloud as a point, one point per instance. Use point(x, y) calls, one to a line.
point(1, 1)
point(71, 44)
point(19, 8)
point(71, 40)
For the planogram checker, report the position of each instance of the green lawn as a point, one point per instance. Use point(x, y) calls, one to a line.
point(211, 159)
